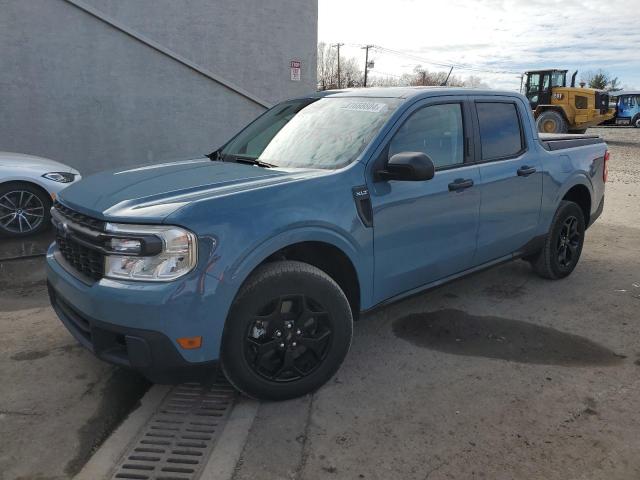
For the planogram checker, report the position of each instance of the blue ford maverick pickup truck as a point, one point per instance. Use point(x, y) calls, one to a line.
point(259, 256)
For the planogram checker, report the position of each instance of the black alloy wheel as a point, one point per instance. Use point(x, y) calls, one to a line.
point(569, 240)
point(563, 244)
point(287, 332)
point(288, 339)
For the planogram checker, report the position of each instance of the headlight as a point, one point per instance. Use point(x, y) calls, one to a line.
point(61, 177)
point(149, 253)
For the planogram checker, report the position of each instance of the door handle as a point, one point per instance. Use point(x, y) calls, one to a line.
point(460, 184)
point(525, 171)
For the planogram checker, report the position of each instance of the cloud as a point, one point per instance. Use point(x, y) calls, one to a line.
point(492, 35)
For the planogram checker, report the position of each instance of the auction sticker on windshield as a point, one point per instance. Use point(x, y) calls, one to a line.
point(365, 107)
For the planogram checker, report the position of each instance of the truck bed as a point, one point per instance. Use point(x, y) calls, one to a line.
point(561, 141)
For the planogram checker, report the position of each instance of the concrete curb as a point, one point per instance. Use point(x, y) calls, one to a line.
point(226, 454)
point(100, 466)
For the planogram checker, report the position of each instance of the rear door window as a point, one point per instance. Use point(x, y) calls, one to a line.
point(500, 130)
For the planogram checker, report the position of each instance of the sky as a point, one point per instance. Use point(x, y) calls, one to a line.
point(493, 39)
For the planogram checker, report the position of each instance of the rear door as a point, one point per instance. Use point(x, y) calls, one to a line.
point(510, 177)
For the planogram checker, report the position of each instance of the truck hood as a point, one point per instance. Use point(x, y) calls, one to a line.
point(150, 193)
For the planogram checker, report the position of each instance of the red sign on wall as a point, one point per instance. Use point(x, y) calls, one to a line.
point(295, 70)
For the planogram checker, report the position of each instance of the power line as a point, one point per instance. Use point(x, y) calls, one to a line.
point(386, 74)
point(458, 66)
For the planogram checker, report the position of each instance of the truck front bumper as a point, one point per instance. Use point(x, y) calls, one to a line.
point(136, 325)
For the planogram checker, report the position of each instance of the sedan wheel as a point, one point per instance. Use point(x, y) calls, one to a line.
point(23, 210)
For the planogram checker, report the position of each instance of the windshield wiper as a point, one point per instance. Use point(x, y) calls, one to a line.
point(250, 161)
point(221, 157)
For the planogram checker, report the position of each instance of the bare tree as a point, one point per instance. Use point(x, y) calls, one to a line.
point(327, 63)
point(473, 81)
point(350, 72)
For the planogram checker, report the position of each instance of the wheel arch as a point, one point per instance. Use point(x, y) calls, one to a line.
point(325, 249)
point(581, 195)
point(29, 181)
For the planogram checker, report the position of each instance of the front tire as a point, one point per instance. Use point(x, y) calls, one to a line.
point(287, 333)
point(551, 121)
point(636, 121)
point(563, 244)
point(24, 209)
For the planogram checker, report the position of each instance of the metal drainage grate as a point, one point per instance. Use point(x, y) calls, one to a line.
point(177, 440)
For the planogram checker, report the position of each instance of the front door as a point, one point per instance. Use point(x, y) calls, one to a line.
point(510, 178)
point(426, 230)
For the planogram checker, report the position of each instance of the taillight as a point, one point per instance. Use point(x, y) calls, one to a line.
point(605, 168)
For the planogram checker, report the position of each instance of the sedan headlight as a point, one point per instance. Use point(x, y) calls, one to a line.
point(60, 177)
point(149, 253)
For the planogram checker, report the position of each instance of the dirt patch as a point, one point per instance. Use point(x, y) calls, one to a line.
point(30, 355)
point(505, 291)
point(457, 332)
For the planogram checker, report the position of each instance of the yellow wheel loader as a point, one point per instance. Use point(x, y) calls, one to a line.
point(561, 109)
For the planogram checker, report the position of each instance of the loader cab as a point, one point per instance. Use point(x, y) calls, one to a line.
point(539, 85)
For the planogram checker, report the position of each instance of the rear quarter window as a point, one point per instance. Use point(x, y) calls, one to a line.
point(500, 130)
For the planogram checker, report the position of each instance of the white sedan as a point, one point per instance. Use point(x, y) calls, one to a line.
point(28, 186)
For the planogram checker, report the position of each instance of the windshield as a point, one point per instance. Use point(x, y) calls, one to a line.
point(628, 101)
point(558, 79)
point(326, 133)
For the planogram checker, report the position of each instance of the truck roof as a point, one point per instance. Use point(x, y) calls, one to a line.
point(410, 92)
point(624, 92)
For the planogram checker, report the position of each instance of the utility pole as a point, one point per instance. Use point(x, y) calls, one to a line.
point(521, 80)
point(444, 84)
point(338, 45)
point(366, 62)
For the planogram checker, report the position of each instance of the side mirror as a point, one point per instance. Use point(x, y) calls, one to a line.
point(410, 166)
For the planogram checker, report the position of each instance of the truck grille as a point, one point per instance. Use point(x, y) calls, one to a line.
point(80, 252)
point(79, 218)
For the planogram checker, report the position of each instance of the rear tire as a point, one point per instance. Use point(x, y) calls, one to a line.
point(551, 121)
point(287, 333)
point(24, 209)
point(563, 245)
